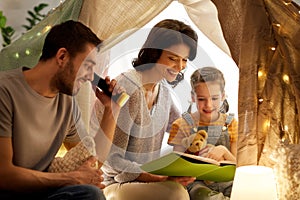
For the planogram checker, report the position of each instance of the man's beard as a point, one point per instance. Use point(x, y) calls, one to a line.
point(64, 80)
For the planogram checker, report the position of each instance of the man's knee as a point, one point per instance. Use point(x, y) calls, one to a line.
point(80, 192)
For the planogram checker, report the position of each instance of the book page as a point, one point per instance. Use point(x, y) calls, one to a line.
point(201, 159)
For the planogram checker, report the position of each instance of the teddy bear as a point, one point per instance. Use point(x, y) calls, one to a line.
point(196, 143)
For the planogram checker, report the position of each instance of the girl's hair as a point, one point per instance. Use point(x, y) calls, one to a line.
point(210, 74)
point(164, 34)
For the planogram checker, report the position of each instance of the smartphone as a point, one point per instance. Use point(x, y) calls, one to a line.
point(120, 98)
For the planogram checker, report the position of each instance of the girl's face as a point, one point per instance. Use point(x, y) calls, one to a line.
point(209, 98)
point(172, 61)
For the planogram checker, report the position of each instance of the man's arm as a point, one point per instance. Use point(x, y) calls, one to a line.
point(15, 178)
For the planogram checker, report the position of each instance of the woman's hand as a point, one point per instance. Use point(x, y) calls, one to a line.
point(183, 180)
point(104, 98)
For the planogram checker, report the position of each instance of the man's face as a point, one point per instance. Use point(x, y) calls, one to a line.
point(77, 71)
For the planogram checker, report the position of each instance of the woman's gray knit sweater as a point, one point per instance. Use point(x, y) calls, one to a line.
point(139, 133)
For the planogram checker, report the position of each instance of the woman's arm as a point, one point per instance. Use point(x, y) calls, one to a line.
point(108, 120)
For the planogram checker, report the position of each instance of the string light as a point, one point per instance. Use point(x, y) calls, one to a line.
point(267, 125)
point(47, 28)
point(261, 74)
point(17, 55)
point(286, 78)
point(287, 2)
point(27, 52)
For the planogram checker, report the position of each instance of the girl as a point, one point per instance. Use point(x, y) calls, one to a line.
point(209, 95)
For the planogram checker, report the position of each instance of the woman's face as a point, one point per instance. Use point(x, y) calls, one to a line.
point(172, 61)
point(208, 97)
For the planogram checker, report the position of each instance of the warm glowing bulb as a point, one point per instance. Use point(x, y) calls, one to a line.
point(260, 100)
point(17, 55)
point(27, 52)
point(266, 124)
point(286, 78)
point(287, 2)
point(47, 28)
point(260, 73)
point(273, 48)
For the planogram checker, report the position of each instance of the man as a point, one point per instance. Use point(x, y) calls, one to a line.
point(38, 114)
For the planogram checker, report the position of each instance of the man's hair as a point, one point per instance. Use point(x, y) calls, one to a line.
point(163, 35)
point(72, 35)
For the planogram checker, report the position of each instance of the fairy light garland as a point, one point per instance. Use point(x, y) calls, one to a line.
point(285, 155)
point(28, 51)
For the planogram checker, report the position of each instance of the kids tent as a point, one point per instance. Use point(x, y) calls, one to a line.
point(261, 36)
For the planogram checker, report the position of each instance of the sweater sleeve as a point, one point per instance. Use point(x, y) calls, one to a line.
point(174, 114)
point(119, 165)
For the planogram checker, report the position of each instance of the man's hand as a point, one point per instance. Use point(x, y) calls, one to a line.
point(90, 173)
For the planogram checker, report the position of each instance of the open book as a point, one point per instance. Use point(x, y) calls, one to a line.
point(182, 164)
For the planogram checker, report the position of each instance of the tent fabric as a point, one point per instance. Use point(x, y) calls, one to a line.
point(26, 50)
point(115, 20)
point(204, 14)
point(262, 36)
point(112, 21)
point(266, 74)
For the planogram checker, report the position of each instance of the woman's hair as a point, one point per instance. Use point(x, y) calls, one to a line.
point(164, 34)
point(210, 74)
point(71, 35)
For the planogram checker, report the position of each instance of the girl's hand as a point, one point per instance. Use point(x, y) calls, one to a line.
point(220, 153)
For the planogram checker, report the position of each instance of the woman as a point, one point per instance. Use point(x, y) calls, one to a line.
point(148, 114)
